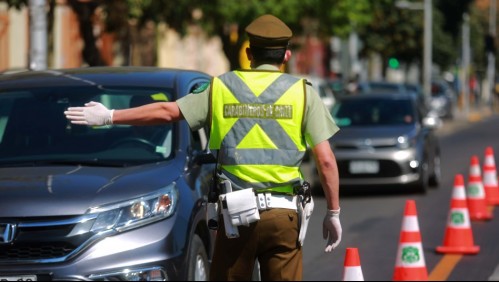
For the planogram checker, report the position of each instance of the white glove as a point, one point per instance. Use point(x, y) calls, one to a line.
point(94, 113)
point(331, 229)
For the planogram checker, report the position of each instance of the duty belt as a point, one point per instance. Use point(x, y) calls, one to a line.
point(271, 201)
point(280, 190)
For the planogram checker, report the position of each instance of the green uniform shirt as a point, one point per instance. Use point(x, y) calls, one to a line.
point(318, 123)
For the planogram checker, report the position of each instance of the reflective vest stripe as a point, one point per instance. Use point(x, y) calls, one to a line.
point(257, 128)
point(243, 180)
point(260, 157)
point(269, 96)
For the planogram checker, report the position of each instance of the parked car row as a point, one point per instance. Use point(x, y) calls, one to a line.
point(100, 203)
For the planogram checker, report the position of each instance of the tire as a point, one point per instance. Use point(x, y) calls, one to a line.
point(436, 176)
point(421, 186)
point(199, 267)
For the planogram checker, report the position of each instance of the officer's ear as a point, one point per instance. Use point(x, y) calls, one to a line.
point(287, 56)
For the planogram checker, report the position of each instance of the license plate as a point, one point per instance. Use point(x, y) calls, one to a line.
point(362, 167)
point(18, 278)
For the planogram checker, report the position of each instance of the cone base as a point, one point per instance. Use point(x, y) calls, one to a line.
point(471, 250)
point(410, 274)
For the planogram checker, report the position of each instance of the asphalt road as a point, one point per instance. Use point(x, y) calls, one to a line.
point(371, 220)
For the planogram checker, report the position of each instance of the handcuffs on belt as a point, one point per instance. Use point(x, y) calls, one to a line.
point(305, 208)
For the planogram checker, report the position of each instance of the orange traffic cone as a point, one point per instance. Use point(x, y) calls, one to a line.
point(458, 235)
point(477, 203)
point(410, 264)
point(490, 178)
point(352, 270)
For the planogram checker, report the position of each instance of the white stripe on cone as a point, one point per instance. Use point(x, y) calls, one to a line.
point(490, 178)
point(459, 193)
point(410, 223)
point(475, 170)
point(353, 273)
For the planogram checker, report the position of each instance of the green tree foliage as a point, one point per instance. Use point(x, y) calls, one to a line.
point(323, 17)
point(382, 27)
point(393, 32)
point(478, 30)
point(17, 4)
point(444, 48)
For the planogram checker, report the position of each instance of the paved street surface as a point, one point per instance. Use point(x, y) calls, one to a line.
point(371, 220)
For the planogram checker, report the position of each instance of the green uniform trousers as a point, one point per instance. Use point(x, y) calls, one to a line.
point(273, 240)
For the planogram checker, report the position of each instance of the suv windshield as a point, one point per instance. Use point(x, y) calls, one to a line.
point(373, 112)
point(34, 130)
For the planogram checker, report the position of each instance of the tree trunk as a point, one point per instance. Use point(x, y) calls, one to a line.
point(85, 12)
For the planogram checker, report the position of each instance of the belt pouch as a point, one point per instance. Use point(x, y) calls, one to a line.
point(242, 207)
point(304, 214)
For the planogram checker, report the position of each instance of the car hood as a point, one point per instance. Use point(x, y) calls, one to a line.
point(382, 135)
point(72, 190)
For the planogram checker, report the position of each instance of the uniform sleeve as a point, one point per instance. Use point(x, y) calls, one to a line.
point(318, 122)
point(194, 108)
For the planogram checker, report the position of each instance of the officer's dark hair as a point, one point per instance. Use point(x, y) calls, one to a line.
point(268, 56)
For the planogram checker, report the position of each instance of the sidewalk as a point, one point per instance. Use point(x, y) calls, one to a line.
point(462, 119)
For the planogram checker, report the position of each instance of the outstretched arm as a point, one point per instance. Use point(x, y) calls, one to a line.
point(94, 113)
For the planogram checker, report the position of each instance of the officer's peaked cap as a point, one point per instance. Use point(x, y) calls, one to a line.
point(268, 31)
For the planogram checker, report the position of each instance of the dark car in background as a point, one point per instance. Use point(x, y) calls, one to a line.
point(367, 87)
point(386, 140)
point(103, 203)
point(443, 99)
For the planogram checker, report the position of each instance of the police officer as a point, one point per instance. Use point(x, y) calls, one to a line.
point(260, 122)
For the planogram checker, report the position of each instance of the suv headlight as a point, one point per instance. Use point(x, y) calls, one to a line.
point(136, 212)
point(405, 142)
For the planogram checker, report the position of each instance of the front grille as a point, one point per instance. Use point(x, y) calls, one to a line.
point(35, 251)
point(386, 169)
point(44, 240)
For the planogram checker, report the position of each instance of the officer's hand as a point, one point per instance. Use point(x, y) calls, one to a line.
point(331, 229)
point(93, 113)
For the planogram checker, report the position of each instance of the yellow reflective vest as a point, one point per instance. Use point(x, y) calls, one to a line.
point(256, 128)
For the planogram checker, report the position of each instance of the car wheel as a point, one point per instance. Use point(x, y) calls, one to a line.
point(198, 261)
point(436, 176)
point(421, 186)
